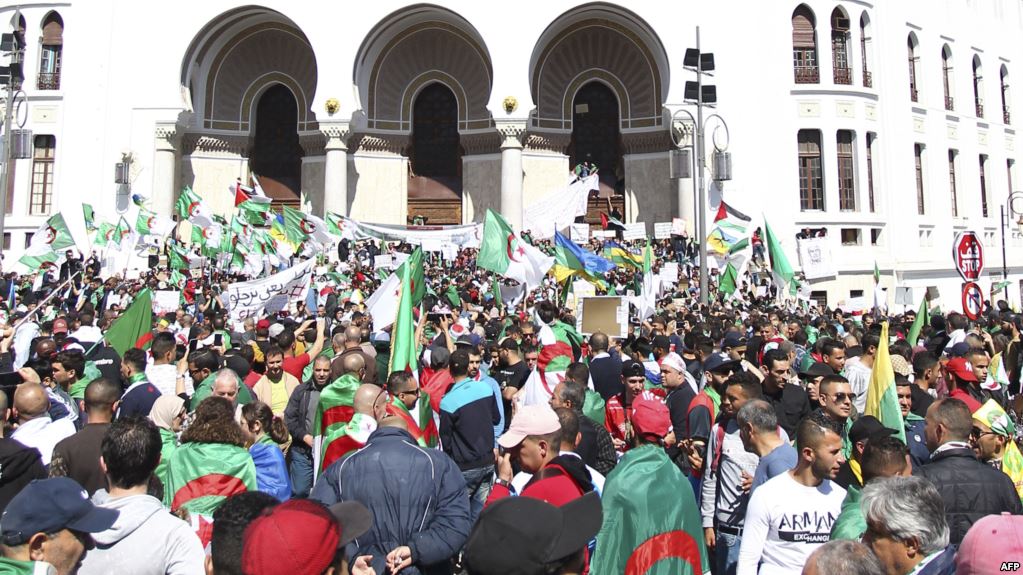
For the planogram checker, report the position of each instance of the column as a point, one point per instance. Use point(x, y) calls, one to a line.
point(512, 132)
point(335, 177)
point(164, 169)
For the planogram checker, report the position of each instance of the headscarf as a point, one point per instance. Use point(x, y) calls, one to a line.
point(165, 409)
point(992, 415)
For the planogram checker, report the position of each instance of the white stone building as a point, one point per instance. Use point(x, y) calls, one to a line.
point(384, 110)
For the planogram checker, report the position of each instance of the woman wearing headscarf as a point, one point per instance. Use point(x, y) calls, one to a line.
point(993, 437)
point(264, 433)
point(168, 413)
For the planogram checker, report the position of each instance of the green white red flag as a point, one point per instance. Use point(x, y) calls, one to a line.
point(424, 432)
point(504, 252)
point(336, 424)
point(202, 475)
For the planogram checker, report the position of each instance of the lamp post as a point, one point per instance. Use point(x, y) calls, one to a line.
point(12, 75)
point(1012, 208)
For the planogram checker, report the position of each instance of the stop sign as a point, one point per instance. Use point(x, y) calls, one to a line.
point(968, 255)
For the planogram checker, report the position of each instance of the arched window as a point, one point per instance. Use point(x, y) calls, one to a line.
point(840, 47)
point(914, 93)
point(50, 52)
point(1004, 76)
point(978, 86)
point(804, 46)
point(946, 77)
point(983, 185)
point(866, 48)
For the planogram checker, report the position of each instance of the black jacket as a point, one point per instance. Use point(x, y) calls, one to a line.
point(296, 414)
point(606, 373)
point(20, 466)
point(970, 489)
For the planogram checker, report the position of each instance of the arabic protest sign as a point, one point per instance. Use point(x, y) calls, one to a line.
point(166, 301)
point(269, 295)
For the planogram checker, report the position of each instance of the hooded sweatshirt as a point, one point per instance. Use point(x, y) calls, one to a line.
point(19, 465)
point(145, 540)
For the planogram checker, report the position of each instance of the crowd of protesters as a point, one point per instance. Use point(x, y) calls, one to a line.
point(285, 444)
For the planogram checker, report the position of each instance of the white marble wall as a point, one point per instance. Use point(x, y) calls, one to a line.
point(211, 176)
point(649, 192)
point(544, 174)
point(481, 186)
point(378, 186)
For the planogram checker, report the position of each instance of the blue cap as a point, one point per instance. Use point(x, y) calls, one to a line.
point(720, 362)
point(49, 506)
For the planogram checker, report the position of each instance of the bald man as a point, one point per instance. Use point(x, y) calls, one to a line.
point(21, 465)
point(369, 402)
point(35, 428)
point(77, 456)
point(352, 346)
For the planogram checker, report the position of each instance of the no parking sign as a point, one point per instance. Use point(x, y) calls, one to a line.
point(973, 300)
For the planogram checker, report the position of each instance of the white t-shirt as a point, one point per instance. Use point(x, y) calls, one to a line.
point(785, 522)
point(859, 380)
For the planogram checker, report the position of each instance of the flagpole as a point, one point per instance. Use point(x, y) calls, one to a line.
point(46, 300)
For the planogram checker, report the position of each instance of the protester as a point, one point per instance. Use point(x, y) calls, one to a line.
point(762, 436)
point(906, 527)
point(845, 557)
point(913, 423)
point(276, 385)
point(20, 464)
point(230, 521)
point(866, 429)
point(885, 456)
point(138, 398)
point(35, 427)
point(993, 439)
point(168, 415)
point(790, 401)
point(264, 434)
point(78, 456)
point(299, 416)
point(595, 446)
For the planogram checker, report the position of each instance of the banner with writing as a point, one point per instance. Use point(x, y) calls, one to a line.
point(269, 295)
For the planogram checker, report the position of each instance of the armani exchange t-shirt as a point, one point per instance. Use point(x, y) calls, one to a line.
point(785, 522)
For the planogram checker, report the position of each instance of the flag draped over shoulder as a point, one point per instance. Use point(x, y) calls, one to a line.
point(424, 432)
point(336, 421)
point(504, 252)
point(134, 323)
point(659, 533)
point(200, 476)
point(882, 399)
point(561, 345)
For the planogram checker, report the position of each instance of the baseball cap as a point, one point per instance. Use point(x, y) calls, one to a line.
point(867, 427)
point(276, 329)
point(650, 415)
point(817, 369)
point(959, 349)
point(263, 324)
point(961, 368)
point(733, 339)
point(469, 340)
point(51, 505)
point(674, 361)
point(988, 541)
point(530, 420)
point(719, 362)
point(633, 368)
point(301, 536)
point(520, 535)
point(900, 366)
point(60, 325)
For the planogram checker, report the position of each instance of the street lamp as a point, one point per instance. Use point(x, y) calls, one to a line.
point(1010, 210)
point(17, 143)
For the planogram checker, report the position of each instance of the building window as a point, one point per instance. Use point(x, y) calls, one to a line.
point(1010, 164)
point(811, 176)
point(983, 185)
point(42, 175)
point(850, 236)
point(978, 86)
point(804, 46)
point(918, 159)
point(946, 76)
point(853, 293)
point(875, 236)
point(1004, 74)
point(865, 40)
point(952, 182)
point(7, 240)
point(840, 47)
point(914, 95)
point(819, 298)
point(50, 52)
point(870, 171)
point(846, 172)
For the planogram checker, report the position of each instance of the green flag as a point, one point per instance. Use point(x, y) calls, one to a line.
point(254, 213)
point(452, 296)
point(877, 273)
point(495, 290)
point(403, 337)
point(780, 266)
point(336, 422)
point(144, 223)
point(90, 218)
point(882, 399)
point(202, 475)
point(104, 234)
point(729, 280)
point(918, 324)
point(39, 261)
point(651, 522)
point(135, 322)
point(53, 235)
point(294, 226)
point(504, 252)
point(334, 223)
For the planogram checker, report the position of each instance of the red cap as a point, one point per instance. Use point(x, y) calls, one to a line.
point(961, 368)
point(263, 324)
point(60, 325)
point(650, 415)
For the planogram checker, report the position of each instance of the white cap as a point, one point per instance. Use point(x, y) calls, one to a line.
point(674, 361)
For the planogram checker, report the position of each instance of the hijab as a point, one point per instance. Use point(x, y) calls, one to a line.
point(165, 409)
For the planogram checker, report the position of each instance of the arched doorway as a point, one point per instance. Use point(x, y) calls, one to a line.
point(435, 158)
point(276, 155)
point(596, 139)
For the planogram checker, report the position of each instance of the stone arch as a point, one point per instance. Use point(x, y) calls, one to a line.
point(604, 42)
point(236, 57)
point(412, 48)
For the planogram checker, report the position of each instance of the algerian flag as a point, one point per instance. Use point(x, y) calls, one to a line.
point(318, 230)
point(335, 224)
point(729, 280)
point(201, 476)
point(383, 304)
point(505, 252)
point(39, 261)
point(877, 273)
point(997, 378)
point(452, 296)
point(918, 324)
point(90, 218)
point(254, 213)
point(882, 399)
point(135, 322)
point(149, 223)
point(646, 300)
point(104, 234)
point(52, 236)
point(294, 226)
point(191, 207)
point(403, 338)
point(780, 266)
point(336, 426)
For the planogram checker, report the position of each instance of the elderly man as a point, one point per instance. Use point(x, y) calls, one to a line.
point(595, 446)
point(906, 526)
point(35, 428)
point(845, 557)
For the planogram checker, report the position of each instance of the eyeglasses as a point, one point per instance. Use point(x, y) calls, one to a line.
point(416, 392)
point(841, 396)
point(976, 433)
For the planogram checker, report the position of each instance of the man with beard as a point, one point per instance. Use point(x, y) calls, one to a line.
point(791, 515)
point(276, 386)
point(299, 416)
point(616, 410)
point(836, 398)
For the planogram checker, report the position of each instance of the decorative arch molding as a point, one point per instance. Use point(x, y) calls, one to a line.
point(236, 57)
point(412, 48)
point(605, 42)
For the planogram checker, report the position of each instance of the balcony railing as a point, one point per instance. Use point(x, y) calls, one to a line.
point(914, 94)
point(980, 109)
point(807, 75)
point(843, 76)
point(1005, 115)
point(49, 81)
point(868, 81)
point(950, 103)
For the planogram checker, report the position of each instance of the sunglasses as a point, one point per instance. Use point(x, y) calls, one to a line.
point(416, 392)
point(976, 433)
point(841, 396)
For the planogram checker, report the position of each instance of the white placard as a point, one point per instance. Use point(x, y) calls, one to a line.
point(603, 234)
point(634, 231)
point(815, 258)
point(432, 245)
point(398, 258)
point(269, 295)
point(579, 232)
point(669, 271)
point(383, 261)
point(679, 226)
point(662, 230)
point(166, 301)
point(113, 299)
point(583, 288)
point(903, 296)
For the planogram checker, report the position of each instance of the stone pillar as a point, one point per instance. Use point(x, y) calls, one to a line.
point(335, 177)
point(512, 133)
point(165, 169)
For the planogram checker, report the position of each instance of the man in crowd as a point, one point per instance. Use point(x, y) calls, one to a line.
point(906, 527)
point(412, 404)
point(230, 521)
point(145, 537)
point(68, 368)
point(616, 409)
point(605, 369)
point(969, 488)
point(993, 439)
point(761, 435)
point(510, 373)
point(885, 456)
point(866, 429)
point(276, 385)
point(771, 539)
point(140, 395)
point(790, 401)
point(35, 428)
point(913, 423)
point(352, 345)
point(857, 370)
point(78, 456)
point(926, 370)
point(836, 399)
point(299, 416)
point(843, 556)
point(833, 354)
point(595, 446)
point(162, 373)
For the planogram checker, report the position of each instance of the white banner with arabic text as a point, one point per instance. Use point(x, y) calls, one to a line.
point(257, 298)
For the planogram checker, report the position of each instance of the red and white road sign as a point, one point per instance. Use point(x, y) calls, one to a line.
point(968, 256)
point(973, 300)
